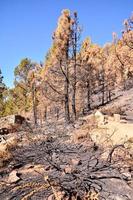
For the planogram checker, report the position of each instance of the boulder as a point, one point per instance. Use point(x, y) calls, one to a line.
point(99, 117)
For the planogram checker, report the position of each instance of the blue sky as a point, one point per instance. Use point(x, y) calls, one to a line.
point(26, 26)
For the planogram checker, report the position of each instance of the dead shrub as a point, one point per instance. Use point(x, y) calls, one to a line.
point(82, 133)
point(113, 110)
point(5, 156)
point(84, 130)
point(79, 134)
point(12, 143)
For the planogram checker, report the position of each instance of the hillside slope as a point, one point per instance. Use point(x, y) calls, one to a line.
point(75, 161)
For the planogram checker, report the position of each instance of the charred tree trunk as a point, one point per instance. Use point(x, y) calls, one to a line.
point(103, 93)
point(66, 91)
point(89, 86)
point(102, 80)
point(66, 85)
point(75, 40)
point(57, 113)
point(74, 96)
point(74, 77)
point(88, 95)
point(109, 95)
point(34, 103)
point(45, 113)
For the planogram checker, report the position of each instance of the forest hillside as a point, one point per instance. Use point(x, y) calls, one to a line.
point(66, 127)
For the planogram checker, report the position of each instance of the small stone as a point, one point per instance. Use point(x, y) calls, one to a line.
point(75, 161)
point(68, 170)
point(13, 178)
point(51, 197)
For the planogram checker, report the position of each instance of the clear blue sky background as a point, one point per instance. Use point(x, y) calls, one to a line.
point(26, 26)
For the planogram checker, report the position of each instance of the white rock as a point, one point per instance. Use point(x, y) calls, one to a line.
point(100, 118)
point(75, 161)
point(128, 175)
point(13, 178)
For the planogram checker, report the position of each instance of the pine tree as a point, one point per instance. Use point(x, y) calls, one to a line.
point(57, 70)
point(22, 83)
point(76, 32)
point(26, 83)
point(90, 62)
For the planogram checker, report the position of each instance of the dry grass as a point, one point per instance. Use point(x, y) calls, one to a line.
point(5, 156)
point(12, 143)
point(92, 195)
point(56, 193)
point(5, 150)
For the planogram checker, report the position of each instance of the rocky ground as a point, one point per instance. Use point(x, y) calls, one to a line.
point(83, 160)
point(63, 162)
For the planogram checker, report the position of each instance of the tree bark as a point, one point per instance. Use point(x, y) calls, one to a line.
point(74, 101)
point(74, 76)
point(103, 86)
point(66, 85)
point(67, 112)
point(45, 113)
point(34, 104)
point(88, 95)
